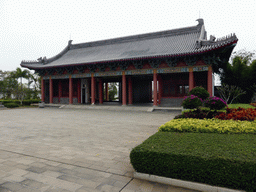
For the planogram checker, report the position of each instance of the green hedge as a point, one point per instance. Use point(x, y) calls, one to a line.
point(30, 101)
point(215, 159)
point(24, 102)
point(209, 126)
point(10, 101)
point(11, 105)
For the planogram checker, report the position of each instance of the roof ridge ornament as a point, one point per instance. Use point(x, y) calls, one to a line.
point(200, 21)
point(213, 42)
point(70, 42)
point(42, 60)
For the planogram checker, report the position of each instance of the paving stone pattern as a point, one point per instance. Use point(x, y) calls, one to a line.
point(63, 150)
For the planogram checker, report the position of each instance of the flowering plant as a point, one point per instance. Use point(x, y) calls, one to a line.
point(209, 126)
point(215, 103)
point(191, 102)
point(238, 114)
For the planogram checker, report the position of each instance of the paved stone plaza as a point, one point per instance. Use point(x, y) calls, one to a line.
point(51, 149)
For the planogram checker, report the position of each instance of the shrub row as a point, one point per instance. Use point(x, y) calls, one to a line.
point(209, 126)
point(238, 114)
point(24, 102)
point(10, 101)
point(30, 101)
point(215, 159)
point(11, 105)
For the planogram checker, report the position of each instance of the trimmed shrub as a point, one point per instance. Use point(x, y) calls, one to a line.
point(10, 101)
point(11, 105)
point(35, 100)
point(209, 126)
point(215, 159)
point(215, 103)
point(26, 102)
point(191, 102)
point(199, 92)
point(198, 114)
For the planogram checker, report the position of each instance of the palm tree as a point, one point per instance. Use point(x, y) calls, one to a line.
point(20, 74)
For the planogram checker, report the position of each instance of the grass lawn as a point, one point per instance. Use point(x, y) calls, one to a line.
point(242, 105)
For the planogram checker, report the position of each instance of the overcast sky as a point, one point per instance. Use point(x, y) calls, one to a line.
point(30, 29)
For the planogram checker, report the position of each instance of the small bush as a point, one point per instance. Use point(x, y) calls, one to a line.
point(215, 103)
point(11, 105)
point(191, 102)
point(241, 114)
point(199, 92)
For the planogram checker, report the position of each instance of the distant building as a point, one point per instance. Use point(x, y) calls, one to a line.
point(173, 61)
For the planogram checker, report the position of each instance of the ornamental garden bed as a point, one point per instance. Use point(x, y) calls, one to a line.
point(211, 145)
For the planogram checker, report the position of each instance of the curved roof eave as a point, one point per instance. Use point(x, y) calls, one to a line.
point(171, 43)
point(197, 52)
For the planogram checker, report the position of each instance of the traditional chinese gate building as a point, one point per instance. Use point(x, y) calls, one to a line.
point(158, 67)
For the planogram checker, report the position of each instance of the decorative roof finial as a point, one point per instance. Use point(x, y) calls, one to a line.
point(69, 42)
point(200, 21)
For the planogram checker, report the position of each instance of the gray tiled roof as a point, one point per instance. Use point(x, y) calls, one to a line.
point(189, 40)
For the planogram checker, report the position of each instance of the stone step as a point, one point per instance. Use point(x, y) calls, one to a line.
point(171, 102)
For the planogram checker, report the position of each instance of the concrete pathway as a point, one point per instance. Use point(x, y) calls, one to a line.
point(52, 149)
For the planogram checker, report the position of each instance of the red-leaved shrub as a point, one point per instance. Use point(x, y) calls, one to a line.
point(238, 114)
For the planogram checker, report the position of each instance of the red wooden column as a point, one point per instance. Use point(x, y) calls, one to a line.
point(42, 89)
point(124, 89)
point(70, 90)
point(106, 91)
point(100, 91)
point(130, 90)
point(92, 89)
point(155, 87)
point(60, 89)
point(191, 79)
point(160, 81)
point(79, 91)
point(209, 80)
point(150, 91)
point(51, 90)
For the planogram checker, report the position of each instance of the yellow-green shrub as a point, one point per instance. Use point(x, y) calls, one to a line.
point(209, 126)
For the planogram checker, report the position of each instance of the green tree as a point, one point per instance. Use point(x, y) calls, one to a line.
point(9, 86)
point(241, 73)
point(19, 74)
point(35, 80)
point(112, 91)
